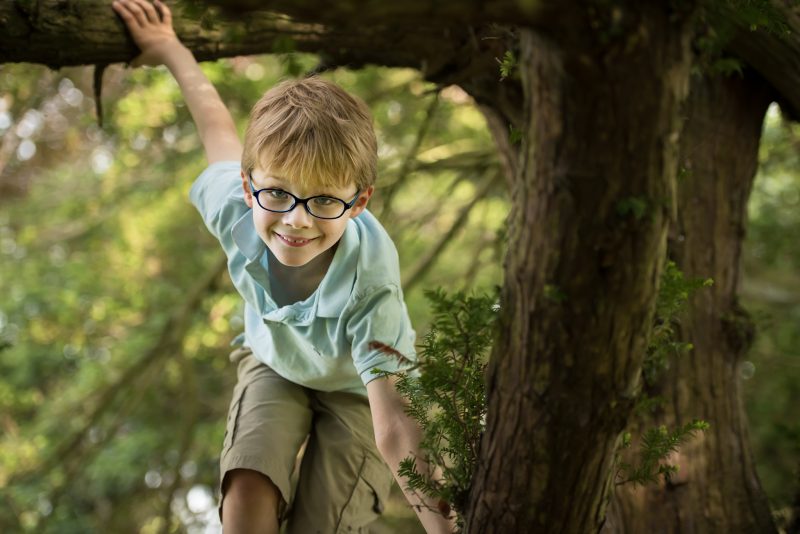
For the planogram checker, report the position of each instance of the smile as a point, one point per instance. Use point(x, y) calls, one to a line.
point(294, 241)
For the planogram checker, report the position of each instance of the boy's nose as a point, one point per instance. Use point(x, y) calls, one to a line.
point(298, 217)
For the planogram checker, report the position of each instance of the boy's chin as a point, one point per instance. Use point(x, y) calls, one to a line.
point(294, 260)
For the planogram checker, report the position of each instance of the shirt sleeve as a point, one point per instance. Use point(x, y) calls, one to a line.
point(381, 333)
point(217, 195)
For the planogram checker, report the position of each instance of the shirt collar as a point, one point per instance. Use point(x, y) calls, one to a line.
point(247, 239)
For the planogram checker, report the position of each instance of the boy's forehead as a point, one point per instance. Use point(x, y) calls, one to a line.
point(307, 185)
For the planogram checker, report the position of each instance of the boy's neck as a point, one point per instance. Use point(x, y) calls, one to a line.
point(295, 284)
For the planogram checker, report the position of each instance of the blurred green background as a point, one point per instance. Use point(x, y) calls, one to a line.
point(115, 317)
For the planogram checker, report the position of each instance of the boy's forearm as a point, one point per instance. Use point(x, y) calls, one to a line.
point(405, 443)
point(213, 120)
point(398, 436)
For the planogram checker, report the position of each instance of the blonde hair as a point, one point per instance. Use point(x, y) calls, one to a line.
point(313, 133)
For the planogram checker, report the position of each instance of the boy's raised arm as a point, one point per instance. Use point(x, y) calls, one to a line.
point(150, 25)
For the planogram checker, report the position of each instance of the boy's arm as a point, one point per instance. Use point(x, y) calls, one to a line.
point(397, 436)
point(150, 26)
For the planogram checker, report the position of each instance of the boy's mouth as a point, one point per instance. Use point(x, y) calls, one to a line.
point(294, 241)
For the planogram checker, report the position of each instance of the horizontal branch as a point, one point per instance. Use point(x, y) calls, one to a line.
point(408, 13)
point(57, 34)
point(448, 40)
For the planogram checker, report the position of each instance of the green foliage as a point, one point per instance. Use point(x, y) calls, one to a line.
point(726, 66)
point(771, 256)
point(554, 294)
point(760, 14)
point(674, 292)
point(447, 395)
point(646, 404)
point(635, 206)
point(509, 66)
point(656, 446)
point(721, 20)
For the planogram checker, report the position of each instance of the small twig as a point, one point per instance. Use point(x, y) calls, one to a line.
point(99, 69)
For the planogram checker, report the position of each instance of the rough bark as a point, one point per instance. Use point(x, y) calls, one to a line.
point(716, 489)
point(38, 32)
point(601, 128)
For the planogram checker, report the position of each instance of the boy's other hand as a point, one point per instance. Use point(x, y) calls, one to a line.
point(150, 25)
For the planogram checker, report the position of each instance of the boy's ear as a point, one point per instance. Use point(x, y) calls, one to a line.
point(361, 203)
point(248, 195)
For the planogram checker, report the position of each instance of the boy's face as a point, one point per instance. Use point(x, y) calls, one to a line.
point(296, 237)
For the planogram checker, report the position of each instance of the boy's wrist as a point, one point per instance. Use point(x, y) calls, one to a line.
point(166, 51)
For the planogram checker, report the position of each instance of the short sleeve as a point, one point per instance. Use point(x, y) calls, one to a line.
point(381, 333)
point(217, 195)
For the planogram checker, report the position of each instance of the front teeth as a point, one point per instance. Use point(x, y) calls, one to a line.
point(290, 240)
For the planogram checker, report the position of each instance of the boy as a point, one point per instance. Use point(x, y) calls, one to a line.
point(320, 280)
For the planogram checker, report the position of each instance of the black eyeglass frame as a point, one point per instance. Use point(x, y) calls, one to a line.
point(304, 201)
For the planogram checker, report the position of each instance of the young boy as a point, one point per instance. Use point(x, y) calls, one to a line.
point(323, 305)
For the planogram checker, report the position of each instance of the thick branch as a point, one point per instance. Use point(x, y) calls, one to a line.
point(401, 13)
point(775, 57)
point(58, 33)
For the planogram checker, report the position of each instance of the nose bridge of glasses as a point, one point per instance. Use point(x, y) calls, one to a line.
point(297, 216)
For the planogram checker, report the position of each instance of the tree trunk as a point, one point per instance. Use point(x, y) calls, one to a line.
point(716, 488)
point(592, 198)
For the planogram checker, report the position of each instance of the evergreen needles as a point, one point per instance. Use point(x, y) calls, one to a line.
point(673, 294)
point(447, 396)
point(656, 446)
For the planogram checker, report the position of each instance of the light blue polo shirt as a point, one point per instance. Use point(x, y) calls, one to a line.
point(332, 340)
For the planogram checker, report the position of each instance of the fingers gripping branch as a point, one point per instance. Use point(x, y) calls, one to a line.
point(150, 26)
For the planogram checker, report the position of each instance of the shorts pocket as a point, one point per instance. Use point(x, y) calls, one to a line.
point(231, 426)
point(369, 496)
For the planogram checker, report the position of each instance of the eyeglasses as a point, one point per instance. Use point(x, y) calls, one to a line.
point(320, 206)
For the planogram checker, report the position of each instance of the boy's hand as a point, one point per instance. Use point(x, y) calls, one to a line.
point(151, 28)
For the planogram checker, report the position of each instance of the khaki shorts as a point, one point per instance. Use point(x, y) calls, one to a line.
point(342, 482)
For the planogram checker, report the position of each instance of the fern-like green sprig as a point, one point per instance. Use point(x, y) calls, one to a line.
point(447, 395)
point(656, 445)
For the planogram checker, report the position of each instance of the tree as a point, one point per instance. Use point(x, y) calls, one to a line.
point(717, 487)
point(593, 96)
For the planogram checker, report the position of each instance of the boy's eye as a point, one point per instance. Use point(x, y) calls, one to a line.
point(323, 201)
point(277, 194)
